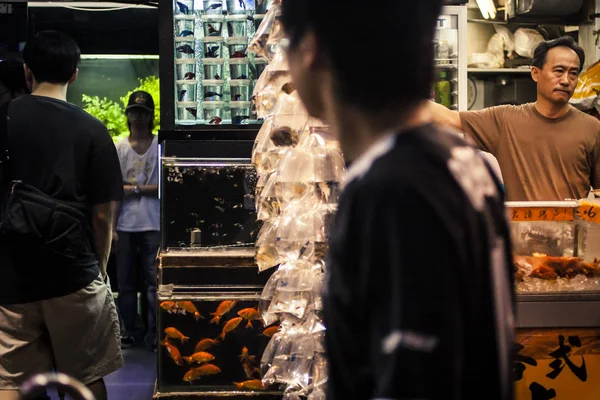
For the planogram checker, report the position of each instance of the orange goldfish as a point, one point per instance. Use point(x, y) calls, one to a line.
point(245, 356)
point(230, 326)
point(169, 306)
point(173, 352)
point(199, 357)
point(270, 331)
point(254, 384)
point(250, 370)
point(222, 309)
point(206, 369)
point(251, 314)
point(173, 333)
point(205, 344)
point(191, 308)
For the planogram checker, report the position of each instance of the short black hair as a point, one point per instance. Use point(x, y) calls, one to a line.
point(12, 76)
point(52, 57)
point(541, 51)
point(396, 68)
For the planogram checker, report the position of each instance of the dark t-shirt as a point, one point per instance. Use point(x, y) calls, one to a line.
point(419, 299)
point(68, 154)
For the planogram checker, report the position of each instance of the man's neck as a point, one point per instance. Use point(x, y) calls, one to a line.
point(358, 132)
point(52, 90)
point(139, 133)
point(551, 110)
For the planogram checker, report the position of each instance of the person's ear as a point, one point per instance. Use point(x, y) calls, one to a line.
point(29, 79)
point(74, 77)
point(535, 74)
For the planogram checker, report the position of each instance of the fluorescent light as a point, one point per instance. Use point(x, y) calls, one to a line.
point(118, 57)
point(487, 8)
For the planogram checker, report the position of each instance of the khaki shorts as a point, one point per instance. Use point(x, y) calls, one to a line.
point(77, 334)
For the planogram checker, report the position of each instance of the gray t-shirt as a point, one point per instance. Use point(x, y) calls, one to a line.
point(139, 214)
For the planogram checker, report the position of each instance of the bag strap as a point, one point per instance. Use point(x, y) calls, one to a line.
point(4, 157)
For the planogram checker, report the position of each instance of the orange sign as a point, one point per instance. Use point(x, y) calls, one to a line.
point(588, 211)
point(542, 214)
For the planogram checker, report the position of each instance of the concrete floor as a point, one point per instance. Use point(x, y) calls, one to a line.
point(135, 381)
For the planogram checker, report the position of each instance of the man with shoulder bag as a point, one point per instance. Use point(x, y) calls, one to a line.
point(59, 180)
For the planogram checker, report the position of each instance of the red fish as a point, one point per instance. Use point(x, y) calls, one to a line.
point(190, 307)
point(199, 357)
point(173, 333)
point(254, 384)
point(205, 344)
point(173, 352)
point(250, 314)
point(196, 373)
point(270, 331)
point(221, 310)
point(230, 326)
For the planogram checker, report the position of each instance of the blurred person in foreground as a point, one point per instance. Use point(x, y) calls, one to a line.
point(138, 219)
point(56, 311)
point(547, 150)
point(12, 80)
point(419, 297)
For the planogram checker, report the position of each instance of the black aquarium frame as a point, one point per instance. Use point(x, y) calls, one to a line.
point(169, 130)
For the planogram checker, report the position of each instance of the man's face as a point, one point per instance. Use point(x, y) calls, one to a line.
point(310, 82)
point(137, 116)
point(557, 79)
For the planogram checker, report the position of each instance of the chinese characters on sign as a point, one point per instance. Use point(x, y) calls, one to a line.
point(542, 214)
point(562, 355)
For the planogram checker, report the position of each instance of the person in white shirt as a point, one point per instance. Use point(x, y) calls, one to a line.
point(138, 223)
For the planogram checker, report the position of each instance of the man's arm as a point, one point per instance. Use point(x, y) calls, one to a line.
point(102, 229)
point(149, 190)
point(444, 116)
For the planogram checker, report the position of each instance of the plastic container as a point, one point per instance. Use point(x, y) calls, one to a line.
point(212, 112)
point(187, 112)
point(213, 7)
point(239, 6)
point(184, 7)
point(238, 47)
point(240, 89)
point(442, 91)
point(212, 25)
point(237, 25)
point(185, 25)
point(212, 90)
point(185, 47)
point(260, 63)
point(185, 69)
point(186, 90)
point(213, 68)
point(239, 68)
point(213, 47)
point(240, 112)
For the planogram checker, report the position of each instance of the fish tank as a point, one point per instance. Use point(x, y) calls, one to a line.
point(214, 72)
point(208, 203)
point(555, 246)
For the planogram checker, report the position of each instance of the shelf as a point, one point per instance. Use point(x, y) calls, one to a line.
point(499, 70)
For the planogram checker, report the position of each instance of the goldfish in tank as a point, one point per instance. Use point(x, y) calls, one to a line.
point(196, 373)
point(173, 352)
point(188, 306)
point(199, 357)
point(205, 344)
point(271, 330)
point(250, 314)
point(254, 384)
point(173, 333)
point(169, 306)
point(221, 310)
point(245, 356)
point(230, 326)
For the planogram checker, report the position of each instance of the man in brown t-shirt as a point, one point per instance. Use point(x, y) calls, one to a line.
point(547, 150)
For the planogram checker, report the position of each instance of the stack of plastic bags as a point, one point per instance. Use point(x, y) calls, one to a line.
point(300, 169)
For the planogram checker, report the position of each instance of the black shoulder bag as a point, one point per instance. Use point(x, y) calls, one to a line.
point(31, 217)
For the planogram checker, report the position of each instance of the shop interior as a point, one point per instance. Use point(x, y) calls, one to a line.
point(240, 166)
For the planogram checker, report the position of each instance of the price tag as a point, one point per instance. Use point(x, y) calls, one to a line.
point(588, 211)
point(542, 214)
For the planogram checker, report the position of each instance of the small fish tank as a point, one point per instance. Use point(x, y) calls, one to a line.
point(211, 39)
point(208, 203)
point(211, 343)
point(555, 246)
